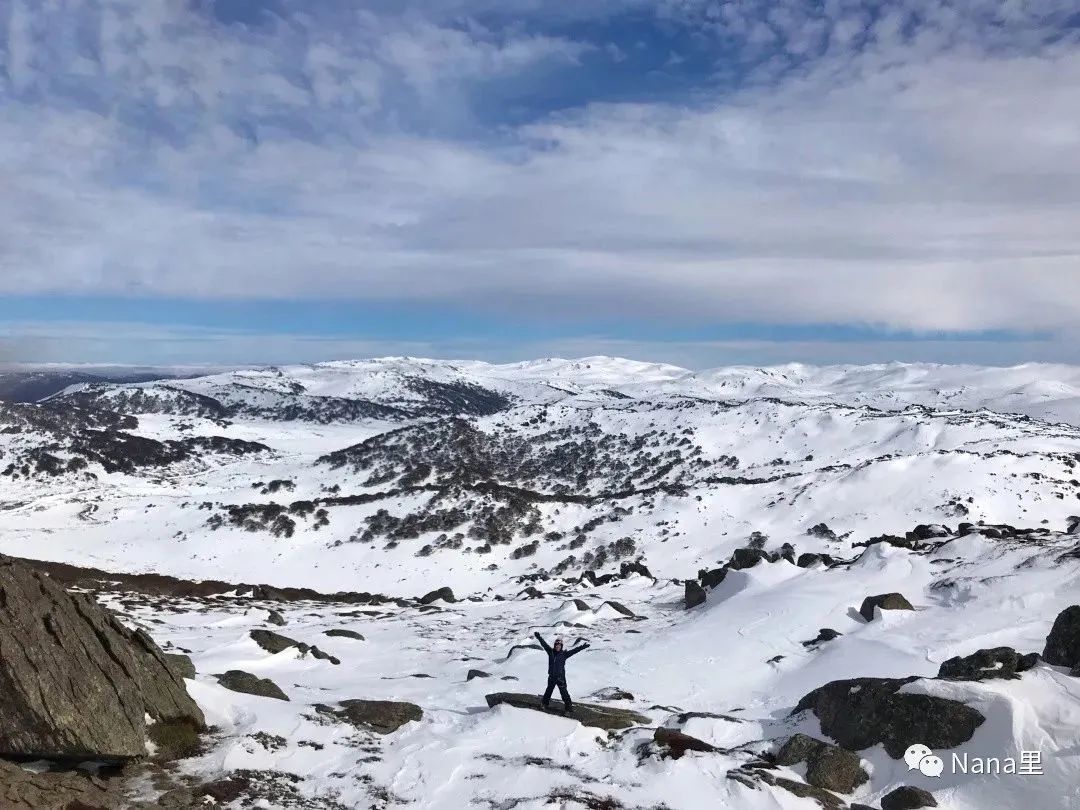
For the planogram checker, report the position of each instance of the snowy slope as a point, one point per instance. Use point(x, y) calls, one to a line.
point(400, 475)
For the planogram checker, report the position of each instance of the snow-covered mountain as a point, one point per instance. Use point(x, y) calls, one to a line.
point(778, 498)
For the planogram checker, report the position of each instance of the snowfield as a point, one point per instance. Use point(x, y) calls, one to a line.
point(587, 499)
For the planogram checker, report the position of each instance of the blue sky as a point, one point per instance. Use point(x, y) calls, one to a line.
point(259, 181)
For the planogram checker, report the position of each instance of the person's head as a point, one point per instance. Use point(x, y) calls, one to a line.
point(558, 644)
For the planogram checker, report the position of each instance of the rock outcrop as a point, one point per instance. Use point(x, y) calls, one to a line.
point(828, 767)
point(1063, 643)
point(21, 789)
point(861, 713)
point(76, 684)
point(588, 714)
point(885, 601)
point(984, 665)
point(694, 594)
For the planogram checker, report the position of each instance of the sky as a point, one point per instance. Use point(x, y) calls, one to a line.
point(702, 182)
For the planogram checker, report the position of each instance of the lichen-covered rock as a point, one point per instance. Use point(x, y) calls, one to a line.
point(864, 712)
point(828, 767)
point(382, 716)
point(588, 714)
point(21, 789)
point(76, 684)
point(984, 665)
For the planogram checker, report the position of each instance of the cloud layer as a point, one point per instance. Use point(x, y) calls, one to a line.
point(908, 166)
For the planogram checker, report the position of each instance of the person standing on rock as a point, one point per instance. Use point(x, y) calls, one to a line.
point(557, 671)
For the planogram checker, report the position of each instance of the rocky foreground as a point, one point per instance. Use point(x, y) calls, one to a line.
point(278, 698)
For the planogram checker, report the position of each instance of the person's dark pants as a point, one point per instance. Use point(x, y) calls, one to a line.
point(552, 683)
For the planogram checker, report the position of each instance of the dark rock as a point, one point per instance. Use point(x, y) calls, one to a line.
point(908, 798)
point(602, 717)
point(930, 532)
point(580, 604)
point(824, 634)
point(965, 528)
point(885, 601)
point(611, 693)
point(272, 642)
point(477, 673)
point(823, 531)
point(828, 767)
point(638, 567)
point(710, 579)
point(830, 801)
point(1073, 525)
point(276, 618)
point(747, 558)
point(382, 716)
point(861, 713)
point(445, 594)
point(1063, 643)
point(618, 607)
point(809, 560)
point(237, 680)
point(180, 664)
point(76, 684)
point(695, 594)
point(338, 633)
point(984, 665)
point(275, 643)
point(787, 552)
point(678, 743)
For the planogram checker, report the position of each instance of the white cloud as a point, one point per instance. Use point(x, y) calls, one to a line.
point(922, 177)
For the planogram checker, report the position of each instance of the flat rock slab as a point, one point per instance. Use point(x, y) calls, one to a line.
point(382, 716)
point(588, 714)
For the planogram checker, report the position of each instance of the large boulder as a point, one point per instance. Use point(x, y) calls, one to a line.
point(864, 712)
point(76, 684)
point(885, 601)
point(747, 558)
point(1063, 643)
point(828, 767)
point(984, 665)
point(588, 714)
point(381, 716)
point(908, 798)
point(695, 594)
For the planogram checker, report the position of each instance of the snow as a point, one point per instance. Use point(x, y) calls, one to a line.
point(867, 450)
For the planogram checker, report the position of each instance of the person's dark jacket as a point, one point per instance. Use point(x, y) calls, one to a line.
point(557, 659)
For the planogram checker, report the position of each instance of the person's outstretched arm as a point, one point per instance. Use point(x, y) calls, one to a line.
point(543, 643)
point(576, 650)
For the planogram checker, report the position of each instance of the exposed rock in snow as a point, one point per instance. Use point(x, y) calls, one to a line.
point(885, 601)
point(908, 798)
point(588, 714)
point(864, 712)
point(1063, 643)
point(827, 766)
point(75, 684)
point(982, 665)
point(382, 716)
point(237, 680)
